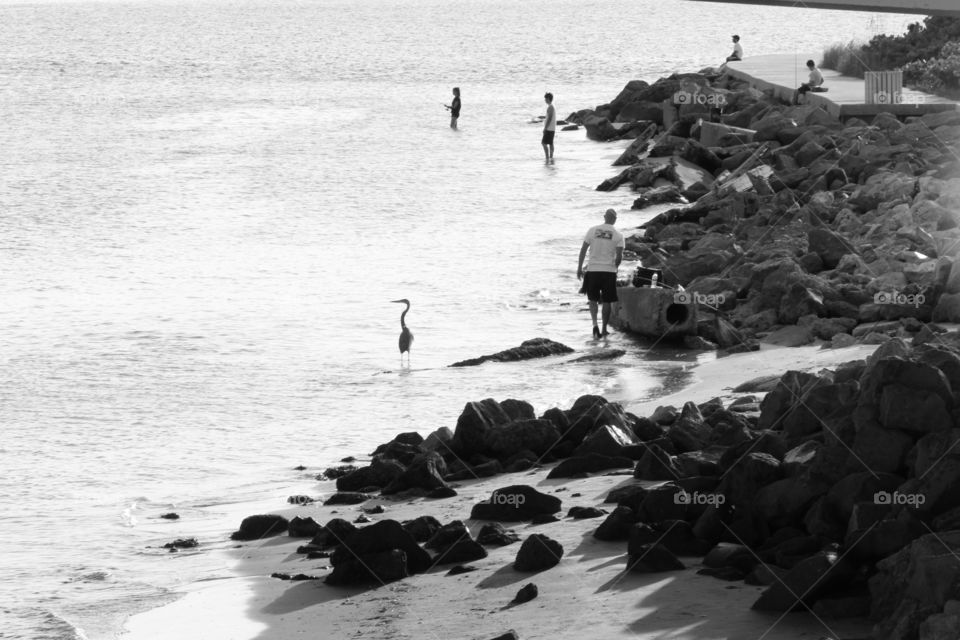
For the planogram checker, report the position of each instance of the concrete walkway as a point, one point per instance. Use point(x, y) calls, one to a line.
point(845, 98)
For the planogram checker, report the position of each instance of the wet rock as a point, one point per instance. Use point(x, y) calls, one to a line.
point(537, 553)
point(379, 473)
point(260, 526)
point(617, 525)
point(347, 497)
point(426, 471)
point(182, 543)
point(528, 350)
point(538, 436)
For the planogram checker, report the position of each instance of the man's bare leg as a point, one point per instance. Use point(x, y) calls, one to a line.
point(593, 317)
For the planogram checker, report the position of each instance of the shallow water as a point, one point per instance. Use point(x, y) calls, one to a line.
point(205, 210)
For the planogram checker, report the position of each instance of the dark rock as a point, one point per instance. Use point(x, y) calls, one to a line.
point(333, 533)
point(526, 594)
point(607, 440)
point(537, 553)
point(653, 558)
point(617, 525)
point(347, 497)
point(448, 535)
point(656, 464)
point(476, 419)
point(589, 463)
point(182, 543)
point(515, 503)
point(422, 528)
point(528, 350)
point(426, 471)
point(538, 436)
point(582, 513)
point(303, 527)
point(170, 516)
point(402, 452)
point(805, 583)
point(461, 568)
point(379, 474)
point(493, 534)
point(260, 526)
point(441, 492)
point(383, 536)
point(461, 551)
point(332, 473)
point(377, 567)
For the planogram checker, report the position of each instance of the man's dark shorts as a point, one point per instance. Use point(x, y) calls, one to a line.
point(547, 137)
point(601, 286)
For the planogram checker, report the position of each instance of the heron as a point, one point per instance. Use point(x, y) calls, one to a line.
point(406, 336)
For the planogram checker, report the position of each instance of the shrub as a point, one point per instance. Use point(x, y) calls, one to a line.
point(928, 54)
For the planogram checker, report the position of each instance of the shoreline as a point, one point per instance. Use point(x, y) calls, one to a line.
point(251, 604)
point(810, 284)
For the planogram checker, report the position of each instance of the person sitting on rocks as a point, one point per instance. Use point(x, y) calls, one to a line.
point(812, 84)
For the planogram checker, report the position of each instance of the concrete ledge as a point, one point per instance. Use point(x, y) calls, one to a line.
point(780, 75)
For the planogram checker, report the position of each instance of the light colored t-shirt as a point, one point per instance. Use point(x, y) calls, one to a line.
point(604, 239)
point(816, 78)
point(551, 123)
point(738, 50)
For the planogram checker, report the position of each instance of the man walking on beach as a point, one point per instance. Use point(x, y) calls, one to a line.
point(606, 246)
point(454, 108)
point(549, 127)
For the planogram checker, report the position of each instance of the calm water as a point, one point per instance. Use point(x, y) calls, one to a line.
point(205, 209)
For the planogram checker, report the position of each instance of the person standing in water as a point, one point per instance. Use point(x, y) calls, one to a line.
point(606, 246)
point(454, 108)
point(549, 127)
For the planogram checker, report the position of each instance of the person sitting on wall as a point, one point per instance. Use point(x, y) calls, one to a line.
point(737, 54)
point(814, 83)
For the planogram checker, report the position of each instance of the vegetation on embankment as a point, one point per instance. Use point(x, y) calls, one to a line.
point(928, 54)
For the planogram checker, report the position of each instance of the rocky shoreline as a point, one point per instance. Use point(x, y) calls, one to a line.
point(798, 226)
point(834, 493)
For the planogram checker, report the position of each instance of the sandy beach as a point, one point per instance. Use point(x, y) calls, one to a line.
point(587, 595)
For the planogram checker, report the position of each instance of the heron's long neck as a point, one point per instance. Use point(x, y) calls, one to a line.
point(403, 324)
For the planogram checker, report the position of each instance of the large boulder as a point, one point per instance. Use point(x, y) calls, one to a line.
point(379, 473)
point(914, 584)
point(261, 526)
point(425, 472)
point(608, 440)
point(366, 544)
point(538, 436)
point(476, 419)
point(538, 553)
point(805, 583)
point(588, 463)
point(515, 503)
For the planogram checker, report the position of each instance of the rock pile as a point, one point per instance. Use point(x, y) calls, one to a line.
point(838, 231)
